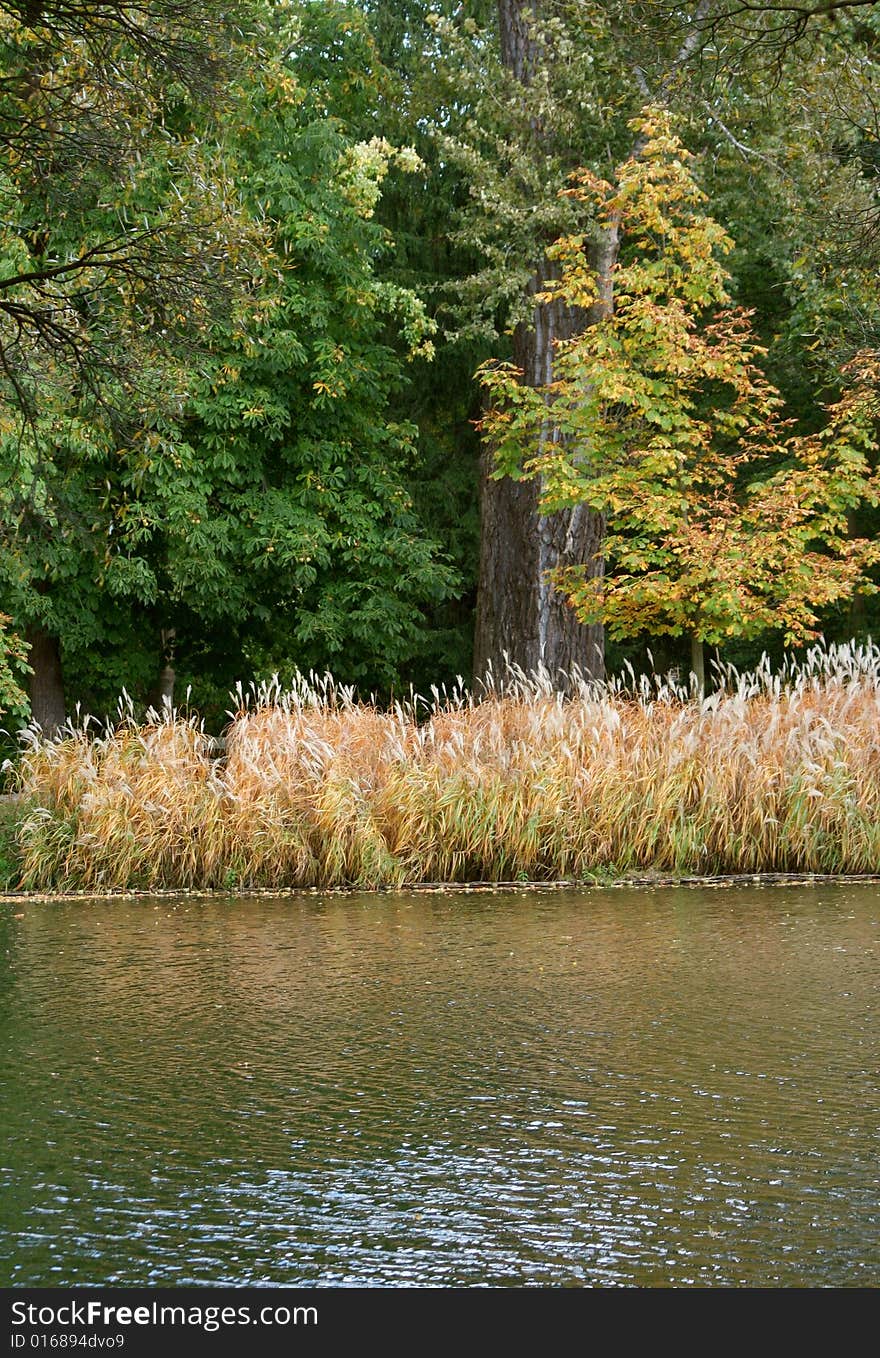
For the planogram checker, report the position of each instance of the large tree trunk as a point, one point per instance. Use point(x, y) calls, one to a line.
point(521, 617)
point(46, 684)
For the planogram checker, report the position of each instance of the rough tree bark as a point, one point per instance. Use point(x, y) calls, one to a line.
point(521, 617)
point(46, 683)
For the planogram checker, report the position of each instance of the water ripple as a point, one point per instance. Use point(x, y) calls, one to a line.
point(613, 1088)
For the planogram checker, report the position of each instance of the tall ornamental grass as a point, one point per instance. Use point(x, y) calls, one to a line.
point(773, 772)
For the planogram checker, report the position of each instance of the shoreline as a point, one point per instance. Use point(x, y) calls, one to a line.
point(641, 882)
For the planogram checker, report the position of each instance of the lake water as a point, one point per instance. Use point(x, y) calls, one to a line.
point(667, 1087)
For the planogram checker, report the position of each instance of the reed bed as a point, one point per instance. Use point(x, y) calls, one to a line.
point(771, 773)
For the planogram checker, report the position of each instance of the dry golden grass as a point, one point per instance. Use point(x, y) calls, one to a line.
point(771, 773)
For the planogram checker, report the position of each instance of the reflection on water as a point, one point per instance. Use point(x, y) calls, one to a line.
point(612, 1087)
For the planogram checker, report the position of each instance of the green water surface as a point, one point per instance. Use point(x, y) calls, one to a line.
point(665, 1087)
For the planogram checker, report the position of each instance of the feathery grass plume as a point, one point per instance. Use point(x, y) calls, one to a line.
point(772, 772)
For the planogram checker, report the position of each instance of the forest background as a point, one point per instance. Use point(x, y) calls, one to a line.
point(254, 258)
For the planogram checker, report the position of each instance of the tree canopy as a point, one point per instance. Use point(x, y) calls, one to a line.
point(660, 417)
point(252, 256)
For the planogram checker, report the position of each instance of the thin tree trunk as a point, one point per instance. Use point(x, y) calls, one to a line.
point(521, 617)
point(855, 619)
point(46, 683)
point(165, 687)
point(161, 695)
point(698, 666)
